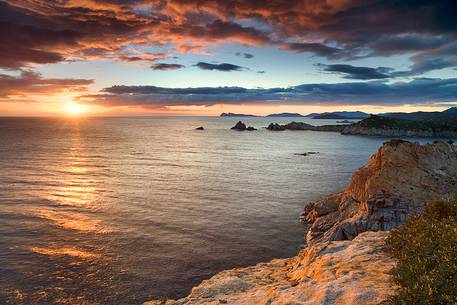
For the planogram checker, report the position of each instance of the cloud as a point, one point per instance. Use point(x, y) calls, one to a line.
point(353, 72)
point(166, 67)
point(225, 67)
point(417, 91)
point(43, 32)
point(245, 55)
point(317, 48)
point(32, 83)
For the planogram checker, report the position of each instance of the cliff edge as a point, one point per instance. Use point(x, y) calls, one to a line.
point(341, 272)
point(399, 179)
point(345, 261)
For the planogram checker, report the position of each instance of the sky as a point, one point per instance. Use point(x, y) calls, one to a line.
point(204, 57)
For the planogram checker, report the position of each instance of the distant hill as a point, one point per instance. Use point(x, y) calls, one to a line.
point(285, 115)
point(230, 114)
point(423, 116)
point(311, 115)
point(395, 127)
point(339, 115)
point(329, 116)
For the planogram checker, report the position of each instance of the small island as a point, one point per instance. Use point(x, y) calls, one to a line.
point(230, 114)
point(285, 115)
point(339, 115)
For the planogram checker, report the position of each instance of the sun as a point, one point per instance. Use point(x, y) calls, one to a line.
point(73, 109)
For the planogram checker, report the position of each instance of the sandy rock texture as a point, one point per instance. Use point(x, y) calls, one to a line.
point(338, 272)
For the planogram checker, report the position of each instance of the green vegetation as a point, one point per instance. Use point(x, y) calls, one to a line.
point(402, 124)
point(426, 249)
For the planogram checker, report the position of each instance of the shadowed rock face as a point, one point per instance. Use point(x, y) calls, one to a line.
point(397, 181)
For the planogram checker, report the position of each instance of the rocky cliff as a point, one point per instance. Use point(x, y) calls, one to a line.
point(397, 181)
point(341, 272)
point(345, 262)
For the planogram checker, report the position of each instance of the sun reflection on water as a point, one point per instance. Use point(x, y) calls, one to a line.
point(74, 221)
point(64, 251)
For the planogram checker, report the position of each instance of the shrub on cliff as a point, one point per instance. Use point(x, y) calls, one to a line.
point(426, 249)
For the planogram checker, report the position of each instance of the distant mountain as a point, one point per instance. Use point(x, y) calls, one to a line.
point(338, 115)
point(329, 116)
point(311, 115)
point(285, 115)
point(450, 113)
point(229, 114)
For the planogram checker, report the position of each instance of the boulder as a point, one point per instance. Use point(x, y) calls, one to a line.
point(200, 128)
point(242, 127)
point(239, 126)
point(276, 127)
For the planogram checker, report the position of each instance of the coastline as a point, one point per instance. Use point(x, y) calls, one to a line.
point(345, 261)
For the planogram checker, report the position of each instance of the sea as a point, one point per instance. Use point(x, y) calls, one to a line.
point(126, 210)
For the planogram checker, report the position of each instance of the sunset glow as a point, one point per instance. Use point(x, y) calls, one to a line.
point(115, 57)
point(73, 109)
point(145, 146)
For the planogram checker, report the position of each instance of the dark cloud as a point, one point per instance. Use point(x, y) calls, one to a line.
point(32, 83)
point(245, 55)
point(353, 72)
point(166, 67)
point(41, 32)
point(418, 91)
point(184, 91)
point(318, 49)
point(225, 67)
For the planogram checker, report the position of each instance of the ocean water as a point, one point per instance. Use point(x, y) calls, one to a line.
point(124, 210)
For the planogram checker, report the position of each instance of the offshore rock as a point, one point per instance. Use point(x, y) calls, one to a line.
point(242, 127)
point(239, 126)
point(398, 181)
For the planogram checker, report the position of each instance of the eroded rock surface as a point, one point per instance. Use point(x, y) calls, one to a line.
point(397, 181)
point(339, 272)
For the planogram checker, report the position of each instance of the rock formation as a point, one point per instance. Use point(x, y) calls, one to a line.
point(307, 153)
point(305, 126)
point(394, 127)
point(341, 272)
point(345, 262)
point(200, 128)
point(242, 127)
point(398, 181)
